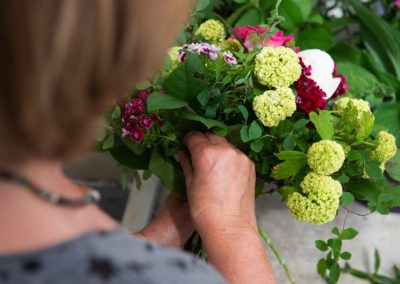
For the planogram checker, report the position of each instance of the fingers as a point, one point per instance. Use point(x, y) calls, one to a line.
point(195, 139)
point(186, 167)
point(215, 139)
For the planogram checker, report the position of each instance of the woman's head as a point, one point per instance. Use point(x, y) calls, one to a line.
point(62, 62)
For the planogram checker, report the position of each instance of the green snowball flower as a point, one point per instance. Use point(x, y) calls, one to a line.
point(277, 67)
point(212, 30)
point(386, 148)
point(325, 157)
point(319, 200)
point(173, 54)
point(356, 107)
point(230, 44)
point(274, 106)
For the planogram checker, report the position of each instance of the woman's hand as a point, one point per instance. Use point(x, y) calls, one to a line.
point(173, 226)
point(220, 184)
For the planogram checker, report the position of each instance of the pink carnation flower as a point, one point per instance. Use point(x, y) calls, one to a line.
point(253, 37)
point(230, 58)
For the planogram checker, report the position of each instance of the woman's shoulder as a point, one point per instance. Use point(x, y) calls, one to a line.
point(106, 257)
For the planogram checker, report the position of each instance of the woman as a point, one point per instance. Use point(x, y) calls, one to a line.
point(62, 63)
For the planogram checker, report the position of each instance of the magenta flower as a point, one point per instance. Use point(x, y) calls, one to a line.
point(146, 122)
point(202, 48)
point(135, 123)
point(397, 3)
point(253, 37)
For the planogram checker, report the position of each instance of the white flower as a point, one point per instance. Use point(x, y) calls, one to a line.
point(203, 48)
point(230, 58)
point(322, 66)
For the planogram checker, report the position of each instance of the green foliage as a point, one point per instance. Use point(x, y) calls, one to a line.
point(374, 277)
point(323, 124)
point(381, 39)
point(157, 101)
point(184, 82)
point(294, 162)
point(334, 254)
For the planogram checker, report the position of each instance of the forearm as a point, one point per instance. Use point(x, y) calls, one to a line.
point(240, 257)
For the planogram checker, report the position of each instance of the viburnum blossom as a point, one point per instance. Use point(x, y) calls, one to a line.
point(274, 106)
point(202, 48)
point(325, 157)
point(230, 58)
point(135, 122)
point(253, 37)
point(319, 200)
point(355, 107)
point(386, 148)
point(277, 67)
point(212, 30)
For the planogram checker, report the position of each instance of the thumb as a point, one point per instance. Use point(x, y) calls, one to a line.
point(186, 165)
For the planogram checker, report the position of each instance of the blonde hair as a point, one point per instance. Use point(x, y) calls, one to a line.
point(62, 62)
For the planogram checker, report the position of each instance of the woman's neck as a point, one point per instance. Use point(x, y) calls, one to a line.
point(28, 222)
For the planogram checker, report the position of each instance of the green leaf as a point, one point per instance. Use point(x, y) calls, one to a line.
point(255, 131)
point(294, 162)
point(108, 142)
point(295, 13)
point(354, 155)
point(382, 209)
point(317, 37)
point(343, 179)
point(101, 135)
point(345, 255)
point(257, 145)
point(323, 124)
point(203, 98)
point(336, 245)
point(377, 261)
point(385, 197)
point(334, 273)
point(116, 113)
point(202, 5)
point(300, 124)
point(125, 157)
point(348, 234)
point(170, 175)
point(143, 86)
point(347, 198)
point(245, 113)
point(184, 82)
point(321, 267)
point(244, 134)
point(157, 101)
point(288, 143)
point(250, 17)
point(321, 245)
point(335, 231)
point(209, 123)
point(373, 170)
point(382, 39)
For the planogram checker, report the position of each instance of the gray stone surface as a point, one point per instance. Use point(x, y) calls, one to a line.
point(295, 240)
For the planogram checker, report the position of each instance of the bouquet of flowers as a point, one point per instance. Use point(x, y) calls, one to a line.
point(285, 108)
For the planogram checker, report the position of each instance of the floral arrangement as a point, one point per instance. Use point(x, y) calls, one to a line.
point(285, 108)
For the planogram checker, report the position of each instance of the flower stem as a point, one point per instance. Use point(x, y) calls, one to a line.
point(278, 256)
